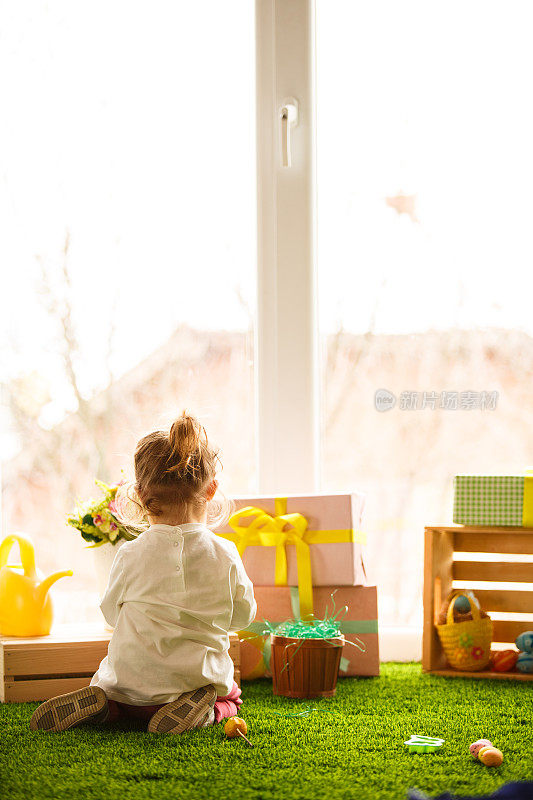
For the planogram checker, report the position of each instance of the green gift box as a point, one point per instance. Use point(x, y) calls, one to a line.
point(493, 500)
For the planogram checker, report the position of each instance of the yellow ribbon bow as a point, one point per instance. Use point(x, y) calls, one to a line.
point(253, 526)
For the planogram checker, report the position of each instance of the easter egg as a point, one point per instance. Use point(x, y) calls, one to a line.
point(524, 662)
point(525, 641)
point(504, 660)
point(233, 725)
point(491, 756)
point(462, 604)
point(475, 747)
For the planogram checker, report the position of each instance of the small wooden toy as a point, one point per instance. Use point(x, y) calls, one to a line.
point(504, 660)
point(235, 726)
point(485, 752)
point(423, 744)
point(490, 756)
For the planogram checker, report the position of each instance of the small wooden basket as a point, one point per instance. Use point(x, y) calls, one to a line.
point(304, 668)
point(466, 644)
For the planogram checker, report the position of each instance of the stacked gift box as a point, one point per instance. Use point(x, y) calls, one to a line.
point(494, 500)
point(304, 556)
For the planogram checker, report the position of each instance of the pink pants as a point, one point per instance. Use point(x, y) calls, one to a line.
point(224, 707)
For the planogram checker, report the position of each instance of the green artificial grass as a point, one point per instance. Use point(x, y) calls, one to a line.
point(355, 752)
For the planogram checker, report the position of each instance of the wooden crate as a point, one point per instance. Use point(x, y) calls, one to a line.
point(41, 667)
point(440, 570)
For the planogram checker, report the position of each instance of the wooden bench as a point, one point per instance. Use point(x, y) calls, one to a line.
point(41, 667)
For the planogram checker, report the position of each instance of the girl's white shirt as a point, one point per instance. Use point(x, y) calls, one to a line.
point(174, 594)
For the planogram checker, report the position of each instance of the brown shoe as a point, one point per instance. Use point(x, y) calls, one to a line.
point(189, 711)
point(67, 710)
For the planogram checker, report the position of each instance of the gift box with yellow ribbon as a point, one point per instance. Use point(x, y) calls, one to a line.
point(359, 625)
point(493, 500)
point(307, 542)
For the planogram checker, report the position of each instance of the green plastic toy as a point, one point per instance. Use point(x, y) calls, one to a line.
point(423, 744)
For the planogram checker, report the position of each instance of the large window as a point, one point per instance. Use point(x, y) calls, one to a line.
point(425, 170)
point(128, 196)
point(127, 152)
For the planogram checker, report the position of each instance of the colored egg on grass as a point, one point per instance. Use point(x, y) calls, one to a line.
point(491, 756)
point(524, 662)
point(504, 660)
point(525, 642)
point(475, 747)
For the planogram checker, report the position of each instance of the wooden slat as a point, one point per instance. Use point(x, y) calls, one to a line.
point(481, 528)
point(65, 634)
point(438, 554)
point(492, 571)
point(22, 691)
point(25, 691)
point(494, 542)
point(506, 600)
point(514, 676)
point(54, 659)
point(507, 630)
point(4, 684)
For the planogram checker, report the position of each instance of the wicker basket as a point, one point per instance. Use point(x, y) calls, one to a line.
point(466, 644)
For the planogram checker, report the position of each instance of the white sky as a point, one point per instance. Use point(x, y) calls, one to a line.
point(132, 125)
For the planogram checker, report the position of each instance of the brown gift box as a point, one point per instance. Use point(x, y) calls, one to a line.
point(276, 604)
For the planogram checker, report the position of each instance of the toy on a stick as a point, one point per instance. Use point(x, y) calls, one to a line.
point(234, 727)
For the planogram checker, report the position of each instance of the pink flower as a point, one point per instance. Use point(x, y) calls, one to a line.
point(113, 526)
point(112, 507)
point(98, 519)
point(477, 652)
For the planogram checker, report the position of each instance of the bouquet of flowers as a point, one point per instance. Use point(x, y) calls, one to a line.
point(98, 521)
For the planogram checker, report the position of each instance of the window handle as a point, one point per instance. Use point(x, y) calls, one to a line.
point(288, 116)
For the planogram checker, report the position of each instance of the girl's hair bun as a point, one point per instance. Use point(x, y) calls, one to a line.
point(188, 448)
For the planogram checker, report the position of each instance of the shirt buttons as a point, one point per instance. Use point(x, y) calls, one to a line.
point(175, 544)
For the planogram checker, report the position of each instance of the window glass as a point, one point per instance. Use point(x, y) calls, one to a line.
point(425, 171)
point(128, 247)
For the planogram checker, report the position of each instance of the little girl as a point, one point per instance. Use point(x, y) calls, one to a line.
point(174, 593)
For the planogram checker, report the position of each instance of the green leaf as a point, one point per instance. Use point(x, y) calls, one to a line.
point(89, 537)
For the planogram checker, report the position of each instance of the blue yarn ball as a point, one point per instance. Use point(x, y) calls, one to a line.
point(462, 604)
point(525, 662)
point(525, 642)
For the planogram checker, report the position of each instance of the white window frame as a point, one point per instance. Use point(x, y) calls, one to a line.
point(286, 355)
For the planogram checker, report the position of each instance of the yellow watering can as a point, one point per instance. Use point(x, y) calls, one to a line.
point(25, 605)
